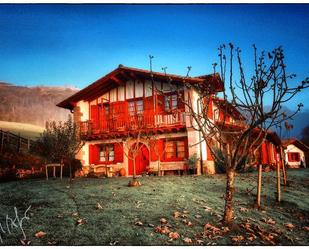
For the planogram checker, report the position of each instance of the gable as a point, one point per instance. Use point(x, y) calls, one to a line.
point(120, 76)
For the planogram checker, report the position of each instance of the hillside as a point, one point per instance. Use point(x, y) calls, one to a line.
point(22, 129)
point(32, 105)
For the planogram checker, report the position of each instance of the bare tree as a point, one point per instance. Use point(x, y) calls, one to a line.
point(258, 99)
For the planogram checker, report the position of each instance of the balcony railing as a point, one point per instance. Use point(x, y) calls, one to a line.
point(133, 123)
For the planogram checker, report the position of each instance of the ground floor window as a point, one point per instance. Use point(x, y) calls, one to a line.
point(106, 153)
point(293, 156)
point(175, 149)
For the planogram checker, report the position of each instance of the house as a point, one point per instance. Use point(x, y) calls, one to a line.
point(113, 111)
point(295, 152)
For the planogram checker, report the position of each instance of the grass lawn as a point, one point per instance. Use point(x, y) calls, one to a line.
point(56, 207)
point(25, 130)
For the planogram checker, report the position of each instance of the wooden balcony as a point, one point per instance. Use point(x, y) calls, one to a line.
point(119, 125)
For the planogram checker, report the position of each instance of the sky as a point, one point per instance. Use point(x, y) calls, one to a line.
point(75, 45)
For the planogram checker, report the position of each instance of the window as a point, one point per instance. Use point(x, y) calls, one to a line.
point(293, 156)
point(107, 153)
point(170, 102)
point(175, 149)
point(136, 107)
point(216, 114)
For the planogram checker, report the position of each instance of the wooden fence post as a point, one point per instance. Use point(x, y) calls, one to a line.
point(278, 183)
point(283, 167)
point(259, 186)
point(2, 140)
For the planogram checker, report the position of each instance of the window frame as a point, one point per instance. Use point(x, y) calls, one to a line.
point(109, 153)
point(292, 155)
point(176, 152)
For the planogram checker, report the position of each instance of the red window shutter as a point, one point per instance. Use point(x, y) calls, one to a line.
point(275, 153)
point(186, 148)
point(148, 104)
point(289, 156)
point(95, 154)
point(157, 150)
point(160, 103)
point(264, 153)
point(94, 113)
point(210, 112)
point(90, 154)
point(118, 149)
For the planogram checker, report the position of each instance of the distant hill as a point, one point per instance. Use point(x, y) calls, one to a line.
point(32, 105)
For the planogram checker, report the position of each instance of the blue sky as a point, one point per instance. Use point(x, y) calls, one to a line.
point(77, 44)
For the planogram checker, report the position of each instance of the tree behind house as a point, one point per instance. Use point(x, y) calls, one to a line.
point(59, 141)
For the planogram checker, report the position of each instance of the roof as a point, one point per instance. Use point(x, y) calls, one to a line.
point(222, 103)
point(295, 142)
point(123, 74)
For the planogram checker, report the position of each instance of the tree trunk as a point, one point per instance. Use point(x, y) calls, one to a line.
point(228, 211)
point(70, 165)
point(134, 176)
point(278, 183)
point(259, 186)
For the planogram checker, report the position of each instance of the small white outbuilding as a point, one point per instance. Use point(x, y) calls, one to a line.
point(295, 152)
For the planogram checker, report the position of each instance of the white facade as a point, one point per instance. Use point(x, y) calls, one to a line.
point(291, 148)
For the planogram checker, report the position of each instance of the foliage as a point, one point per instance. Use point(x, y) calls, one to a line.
point(59, 141)
point(192, 160)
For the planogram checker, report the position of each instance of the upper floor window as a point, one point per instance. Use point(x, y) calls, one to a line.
point(136, 107)
point(107, 153)
point(170, 102)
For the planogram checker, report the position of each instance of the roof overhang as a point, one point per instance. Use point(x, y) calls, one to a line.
point(122, 74)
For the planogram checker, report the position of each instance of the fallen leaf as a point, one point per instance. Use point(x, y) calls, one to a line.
point(197, 216)
point(112, 243)
point(237, 238)
point(74, 214)
point(80, 222)
point(25, 242)
point(290, 226)
point(251, 237)
point(242, 209)
point(138, 223)
point(51, 243)
point(163, 220)
point(151, 225)
point(176, 214)
point(210, 227)
point(60, 216)
point(40, 234)
point(189, 224)
point(269, 221)
point(98, 206)
point(199, 242)
point(174, 235)
point(185, 211)
point(306, 229)
point(165, 230)
point(187, 240)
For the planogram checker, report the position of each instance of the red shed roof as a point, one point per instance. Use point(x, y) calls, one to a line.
point(122, 74)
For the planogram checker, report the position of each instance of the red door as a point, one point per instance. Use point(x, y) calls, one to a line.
point(141, 160)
